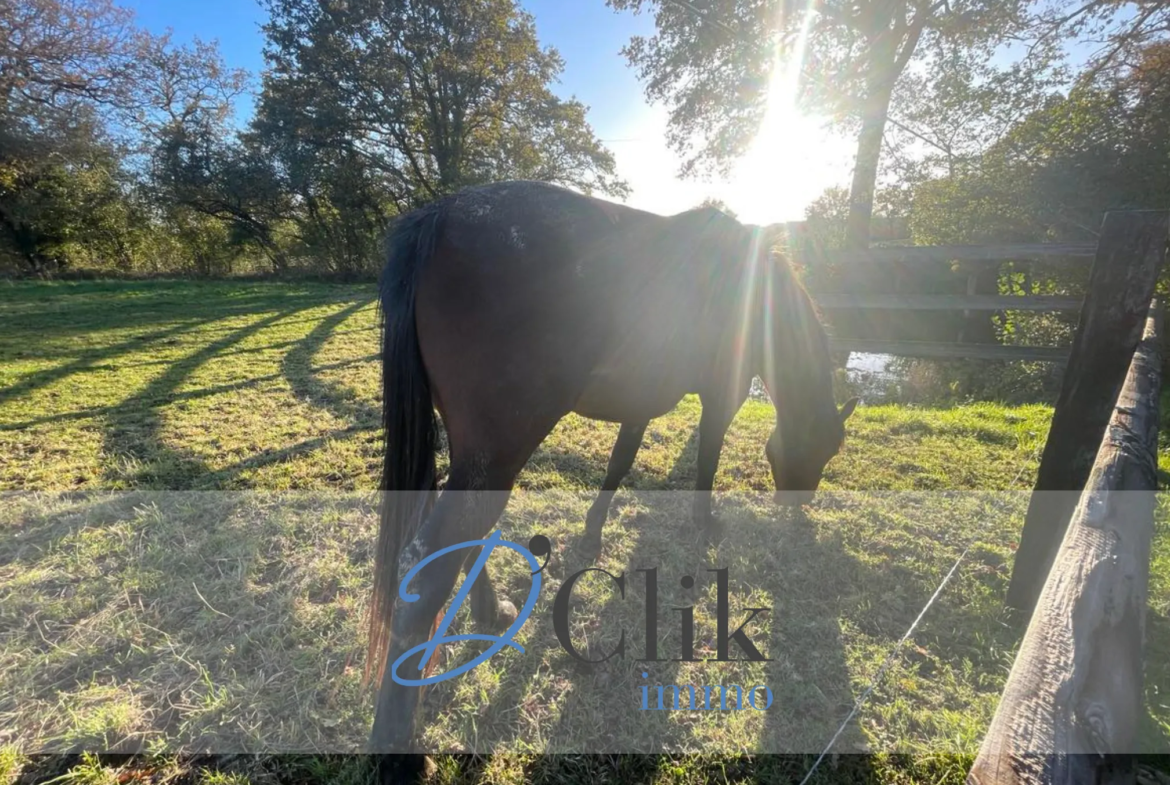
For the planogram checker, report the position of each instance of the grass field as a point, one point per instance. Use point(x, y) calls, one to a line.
point(229, 618)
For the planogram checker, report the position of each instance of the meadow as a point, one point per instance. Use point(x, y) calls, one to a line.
point(216, 600)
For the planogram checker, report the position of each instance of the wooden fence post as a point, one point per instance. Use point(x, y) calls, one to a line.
point(1129, 257)
point(1071, 707)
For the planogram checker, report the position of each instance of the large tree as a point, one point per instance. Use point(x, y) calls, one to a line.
point(1104, 145)
point(713, 62)
point(431, 95)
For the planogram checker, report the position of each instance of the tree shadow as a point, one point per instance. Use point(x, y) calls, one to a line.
point(133, 427)
point(598, 705)
point(64, 314)
point(187, 395)
point(194, 637)
point(808, 569)
point(87, 360)
point(297, 368)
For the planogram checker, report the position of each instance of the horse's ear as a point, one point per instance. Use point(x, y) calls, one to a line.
point(847, 408)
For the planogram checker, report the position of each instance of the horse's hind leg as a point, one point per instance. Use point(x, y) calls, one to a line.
point(620, 460)
point(465, 510)
point(487, 609)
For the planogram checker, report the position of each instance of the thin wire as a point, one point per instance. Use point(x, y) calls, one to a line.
point(886, 664)
point(906, 636)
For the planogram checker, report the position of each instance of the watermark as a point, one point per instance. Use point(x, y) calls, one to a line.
point(539, 545)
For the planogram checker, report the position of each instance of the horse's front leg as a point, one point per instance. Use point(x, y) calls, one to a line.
point(620, 461)
point(716, 419)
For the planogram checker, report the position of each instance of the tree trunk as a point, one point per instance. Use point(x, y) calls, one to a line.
point(867, 277)
point(865, 169)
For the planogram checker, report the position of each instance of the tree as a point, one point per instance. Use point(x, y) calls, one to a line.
point(1105, 145)
point(431, 95)
point(1122, 36)
point(227, 180)
point(718, 204)
point(371, 107)
point(84, 94)
point(713, 68)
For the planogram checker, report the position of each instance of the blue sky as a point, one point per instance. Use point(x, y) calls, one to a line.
point(793, 162)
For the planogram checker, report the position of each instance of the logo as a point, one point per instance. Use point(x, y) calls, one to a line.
point(540, 546)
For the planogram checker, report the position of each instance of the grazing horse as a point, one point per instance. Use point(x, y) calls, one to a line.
point(508, 306)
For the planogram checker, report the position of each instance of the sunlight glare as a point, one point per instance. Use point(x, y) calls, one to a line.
point(788, 153)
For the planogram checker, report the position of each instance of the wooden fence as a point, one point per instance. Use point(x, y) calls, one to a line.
point(1074, 698)
point(1126, 262)
point(1071, 707)
point(968, 255)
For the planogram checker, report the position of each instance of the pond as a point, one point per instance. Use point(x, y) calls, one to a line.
point(868, 377)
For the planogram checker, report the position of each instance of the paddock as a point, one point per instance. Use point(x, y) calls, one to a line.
point(214, 619)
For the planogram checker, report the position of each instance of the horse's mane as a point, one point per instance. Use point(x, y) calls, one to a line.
point(805, 319)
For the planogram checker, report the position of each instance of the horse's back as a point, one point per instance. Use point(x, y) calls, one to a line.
point(556, 299)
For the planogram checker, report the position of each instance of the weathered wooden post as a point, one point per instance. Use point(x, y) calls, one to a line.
point(1070, 710)
point(1129, 257)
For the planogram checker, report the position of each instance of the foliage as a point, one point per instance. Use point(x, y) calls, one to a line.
point(1121, 28)
point(1105, 145)
point(714, 69)
point(115, 141)
point(84, 95)
point(718, 204)
point(370, 108)
point(1053, 176)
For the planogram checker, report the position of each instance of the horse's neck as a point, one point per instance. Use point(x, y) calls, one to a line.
point(791, 344)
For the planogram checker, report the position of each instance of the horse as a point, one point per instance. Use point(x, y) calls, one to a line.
point(507, 306)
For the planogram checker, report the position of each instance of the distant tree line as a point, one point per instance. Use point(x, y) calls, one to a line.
point(119, 150)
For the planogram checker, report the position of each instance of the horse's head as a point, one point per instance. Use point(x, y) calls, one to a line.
point(800, 447)
point(797, 371)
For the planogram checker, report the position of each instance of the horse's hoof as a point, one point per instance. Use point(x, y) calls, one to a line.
point(405, 769)
point(506, 614)
point(591, 546)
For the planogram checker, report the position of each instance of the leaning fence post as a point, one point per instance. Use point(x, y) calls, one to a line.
point(1129, 257)
point(1074, 698)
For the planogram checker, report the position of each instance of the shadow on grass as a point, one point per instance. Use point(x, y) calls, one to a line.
point(806, 568)
point(297, 367)
point(87, 360)
point(192, 626)
point(85, 309)
point(597, 706)
point(133, 427)
point(186, 395)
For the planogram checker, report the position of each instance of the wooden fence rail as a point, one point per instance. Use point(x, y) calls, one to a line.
point(967, 255)
point(1070, 710)
point(930, 254)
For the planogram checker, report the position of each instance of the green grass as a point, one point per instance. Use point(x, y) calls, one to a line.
point(147, 620)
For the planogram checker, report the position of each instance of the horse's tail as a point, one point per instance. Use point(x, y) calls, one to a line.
point(410, 430)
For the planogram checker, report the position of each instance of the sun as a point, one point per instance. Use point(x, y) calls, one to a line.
point(792, 158)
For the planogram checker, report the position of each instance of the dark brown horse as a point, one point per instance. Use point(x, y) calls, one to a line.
point(508, 306)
